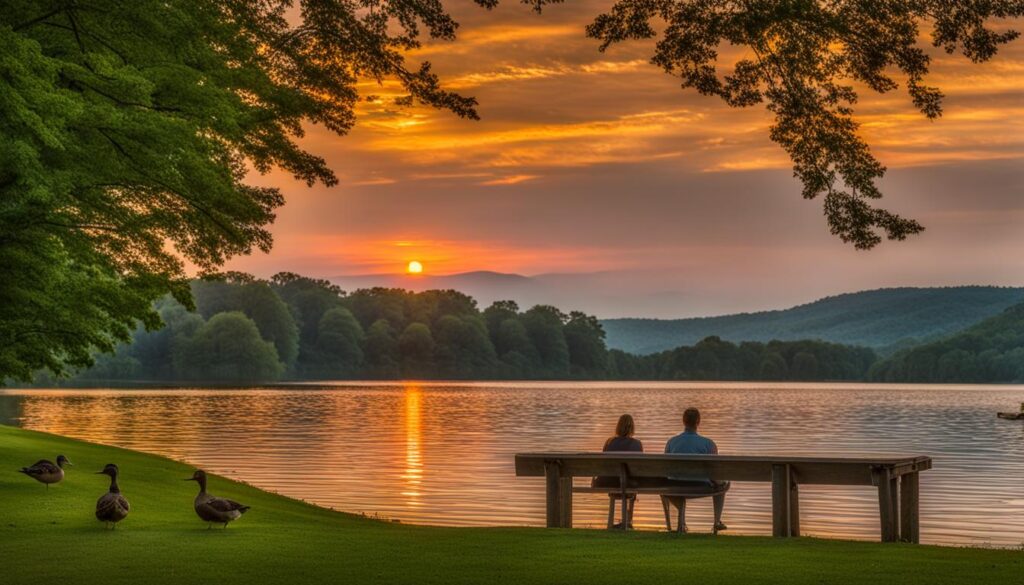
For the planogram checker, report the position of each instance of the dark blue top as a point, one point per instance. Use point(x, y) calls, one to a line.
point(617, 444)
point(623, 444)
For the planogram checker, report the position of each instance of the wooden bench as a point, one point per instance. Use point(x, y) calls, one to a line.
point(896, 479)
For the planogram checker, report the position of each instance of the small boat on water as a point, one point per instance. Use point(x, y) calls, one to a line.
point(1013, 415)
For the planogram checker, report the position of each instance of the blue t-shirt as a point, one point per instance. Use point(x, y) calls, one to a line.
point(690, 443)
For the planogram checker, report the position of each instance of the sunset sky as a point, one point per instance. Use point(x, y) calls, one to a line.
point(599, 163)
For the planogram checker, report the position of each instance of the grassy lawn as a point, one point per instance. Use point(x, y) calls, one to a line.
point(52, 537)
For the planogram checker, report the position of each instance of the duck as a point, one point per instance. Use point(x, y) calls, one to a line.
point(112, 507)
point(46, 471)
point(212, 509)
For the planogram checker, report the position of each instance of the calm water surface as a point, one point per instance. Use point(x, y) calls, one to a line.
point(443, 453)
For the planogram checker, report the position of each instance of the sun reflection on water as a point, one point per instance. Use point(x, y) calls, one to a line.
point(413, 475)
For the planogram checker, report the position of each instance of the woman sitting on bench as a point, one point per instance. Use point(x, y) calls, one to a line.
point(622, 441)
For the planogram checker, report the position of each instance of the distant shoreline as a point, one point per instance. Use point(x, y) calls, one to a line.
point(331, 384)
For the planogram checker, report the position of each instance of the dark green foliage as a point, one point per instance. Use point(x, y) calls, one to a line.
point(259, 302)
point(57, 306)
point(338, 350)
point(378, 304)
point(308, 299)
point(991, 351)
point(400, 308)
point(495, 315)
point(805, 366)
point(428, 335)
point(545, 326)
point(464, 348)
point(373, 333)
point(885, 320)
point(584, 337)
point(128, 126)
point(803, 59)
point(517, 352)
point(155, 351)
point(714, 359)
point(416, 346)
point(773, 367)
point(382, 359)
point(228, 348)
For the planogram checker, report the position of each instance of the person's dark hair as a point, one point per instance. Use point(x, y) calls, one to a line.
point(625, 427)
point(691, 417)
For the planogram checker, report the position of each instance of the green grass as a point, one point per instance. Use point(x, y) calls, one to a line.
point(52, 537)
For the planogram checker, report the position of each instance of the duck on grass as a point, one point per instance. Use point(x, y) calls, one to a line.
point(212, 509)
point(112, 507)
point(47, 472)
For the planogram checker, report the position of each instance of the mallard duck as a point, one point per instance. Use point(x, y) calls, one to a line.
point(213, 509)
point(112, 507)
point(46, 471)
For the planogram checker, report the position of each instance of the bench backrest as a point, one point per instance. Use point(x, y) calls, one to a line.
point(805, 470)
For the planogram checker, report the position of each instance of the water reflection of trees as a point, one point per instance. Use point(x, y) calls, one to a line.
point(10, 409)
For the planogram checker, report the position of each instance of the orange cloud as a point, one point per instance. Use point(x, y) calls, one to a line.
point(510, 180)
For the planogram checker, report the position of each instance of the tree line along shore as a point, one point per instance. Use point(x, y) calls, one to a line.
point(292, 327)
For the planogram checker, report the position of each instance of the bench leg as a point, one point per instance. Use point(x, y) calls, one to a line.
point(794, 509)
point(681, 520)
point(887, 511)
point(666, 506)
point(894, 493)
point(553, 491)
point(910, 519)
point(565, 502)
point(627, 513)
point(718, 505)
point(611, 512)
point(781, 493)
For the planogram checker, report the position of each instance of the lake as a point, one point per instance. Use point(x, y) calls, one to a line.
point(442, 453)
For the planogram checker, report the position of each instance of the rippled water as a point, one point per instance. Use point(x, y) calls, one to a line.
point(443, 453)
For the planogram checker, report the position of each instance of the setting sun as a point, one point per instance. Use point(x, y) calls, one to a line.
point(414, 267)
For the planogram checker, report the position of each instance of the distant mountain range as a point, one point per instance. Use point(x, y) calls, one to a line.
point(883, 319)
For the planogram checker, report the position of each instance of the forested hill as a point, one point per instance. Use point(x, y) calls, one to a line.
point(991, 351)
point(883, 319)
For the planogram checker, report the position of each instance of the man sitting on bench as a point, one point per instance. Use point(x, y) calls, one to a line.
point(690, 442)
